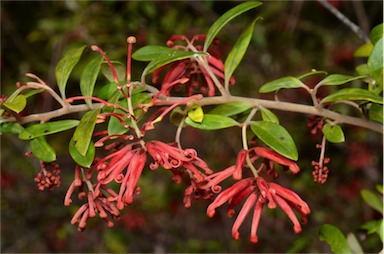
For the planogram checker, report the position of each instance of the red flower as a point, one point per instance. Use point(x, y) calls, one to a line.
point(256, 192)
point(198, 77)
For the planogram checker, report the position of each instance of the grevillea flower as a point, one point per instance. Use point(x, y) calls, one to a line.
point(256, 192)
point(199, 80)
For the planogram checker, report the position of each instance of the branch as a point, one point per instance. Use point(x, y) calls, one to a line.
point(279, 105)
point(356, 29)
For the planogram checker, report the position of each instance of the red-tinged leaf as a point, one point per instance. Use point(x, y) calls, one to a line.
point(65, 67)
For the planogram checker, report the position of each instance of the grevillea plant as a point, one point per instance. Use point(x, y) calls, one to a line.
point(191, 86)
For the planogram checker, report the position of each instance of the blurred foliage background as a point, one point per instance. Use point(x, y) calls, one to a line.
point(293, 38)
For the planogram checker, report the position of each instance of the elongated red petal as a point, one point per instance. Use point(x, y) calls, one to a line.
point(274, 156)
point(248, 204)
point(256, 219)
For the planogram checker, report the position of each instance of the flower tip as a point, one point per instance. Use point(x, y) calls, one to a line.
point(131, 39)
point(297, 228)
point(236, 235)
point(94, 48)
point(254, 239)
point(211, 213)
point(294, 168)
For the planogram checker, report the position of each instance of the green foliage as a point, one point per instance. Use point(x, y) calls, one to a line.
point(237, 52)
point(212, 122)
point(353, 94)
point(335, 238)
point(333, 133)
point(196, 114)
point(276, 137)
point(89, 76)
point(286, 82)
point(43, 129)
point(83, 133)
point(16, 104)
point(225, 18)
point(83, 160)
point(338, 79)
point(231, 108)
point(42, 150)
point(65, 67)
point(268, 115)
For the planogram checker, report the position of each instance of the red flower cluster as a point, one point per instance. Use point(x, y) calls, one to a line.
point(256, 191)
point(199, 80)
point(124, 166)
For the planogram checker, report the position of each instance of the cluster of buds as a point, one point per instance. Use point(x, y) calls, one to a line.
point(48, 178)
point(320, 171)
point(199, 79)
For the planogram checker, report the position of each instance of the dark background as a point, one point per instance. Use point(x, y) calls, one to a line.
point(293, 38)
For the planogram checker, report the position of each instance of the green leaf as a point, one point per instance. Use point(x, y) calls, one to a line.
point(42, 150)
point(338, 79)
point(276, 137)
point(196, 114)
point(212, 122)
point(65, 67)
point(13, 128)
point(376, 113)
point(43, 129)
point(268, 115)
point(353, 94)
point(313, 72)
point(364, 50)
point(33, 92)
point(89, 76)
point(83, 160)
point(231, 108)
point(83, 133)
point(372, 226)
point(335, 238)
point(175, 55)
point(120, 69)
point(237, 53)
point(333, 133)
point(151, 52)
point(375, 62)
point(225, 18)
point(376, 33)
point(379, 188)
point(372, 200)
point(286, 82)
point(16, 104)
point(177, 115)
